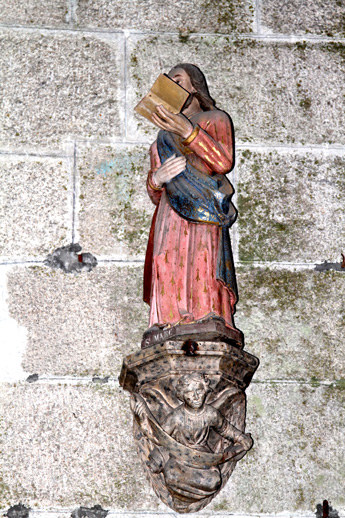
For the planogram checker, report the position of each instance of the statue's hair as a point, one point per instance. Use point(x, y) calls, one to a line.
point(198, 80)
point(184, 382)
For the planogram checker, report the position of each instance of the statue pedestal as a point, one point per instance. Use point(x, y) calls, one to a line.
point(211, 330)
point(189, 409)
point(169, 359)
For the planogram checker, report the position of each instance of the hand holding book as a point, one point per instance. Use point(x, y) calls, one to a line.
point(176, 123)
point(164, 92)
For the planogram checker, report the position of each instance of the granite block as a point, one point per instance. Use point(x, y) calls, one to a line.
point(59, 86)
point(69, 446)
point(78, 324)
point(115, 209)
point(290, 206)
point(184, 16)
point(35, 213)
point(297, 456)
point(316, 17)
point(34, 12)
point(293, 321)
point(276, 92)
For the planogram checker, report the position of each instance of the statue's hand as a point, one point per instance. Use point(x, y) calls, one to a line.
point(176, 123)
point(246, 441)
point(171, 168)
point(137, 407)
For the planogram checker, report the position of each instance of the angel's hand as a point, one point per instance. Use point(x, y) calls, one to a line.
point(176, 123)
point(138, 407)
point(171, 168)
point(246, 441)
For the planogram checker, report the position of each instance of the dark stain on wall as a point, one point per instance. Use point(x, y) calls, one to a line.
point(18, 511)
point(31, 379)
point(68, 259)
point(89, 512)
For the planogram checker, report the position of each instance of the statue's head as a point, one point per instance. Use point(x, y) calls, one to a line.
point(192, 389)
point(198, 84)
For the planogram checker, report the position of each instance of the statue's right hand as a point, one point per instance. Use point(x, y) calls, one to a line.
point(137, 406)
point(171, 168)
point(247, 441)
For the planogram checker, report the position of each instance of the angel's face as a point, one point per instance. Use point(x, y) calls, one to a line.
point(195, 395)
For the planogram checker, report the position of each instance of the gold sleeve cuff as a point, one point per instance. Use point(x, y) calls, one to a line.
point(153, 187)
point(191, 137)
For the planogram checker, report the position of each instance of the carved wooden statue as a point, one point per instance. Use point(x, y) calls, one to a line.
point(188, 381)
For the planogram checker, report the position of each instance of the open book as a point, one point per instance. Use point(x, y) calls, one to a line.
point(166, 92)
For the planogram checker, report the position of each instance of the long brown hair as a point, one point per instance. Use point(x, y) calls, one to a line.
point(198, 80)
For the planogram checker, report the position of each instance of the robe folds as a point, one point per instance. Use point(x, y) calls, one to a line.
point(189, 273)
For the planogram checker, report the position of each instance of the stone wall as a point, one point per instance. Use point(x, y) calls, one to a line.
point(73, 159)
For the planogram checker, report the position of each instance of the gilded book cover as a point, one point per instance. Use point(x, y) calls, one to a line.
point(166, 92)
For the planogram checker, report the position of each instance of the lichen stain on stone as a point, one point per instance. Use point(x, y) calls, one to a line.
point(257, 405)
point(303, 313)
point(124, 180)
point(335, 48)
point(280, 289)
point(299, 502)
point(279, 205)
point(226, 13)
point(340, 384)
point(68, 259)
point(221, 506)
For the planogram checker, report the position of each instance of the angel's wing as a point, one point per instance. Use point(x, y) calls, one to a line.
point(231, 402)
point(160, 404)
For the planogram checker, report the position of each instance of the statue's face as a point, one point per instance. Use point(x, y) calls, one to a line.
point(181, 77)
point(195, 395)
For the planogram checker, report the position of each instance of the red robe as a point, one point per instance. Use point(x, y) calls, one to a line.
point(180, 282)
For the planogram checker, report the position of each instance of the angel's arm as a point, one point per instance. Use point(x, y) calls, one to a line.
point(230, 432)
point(170, 423)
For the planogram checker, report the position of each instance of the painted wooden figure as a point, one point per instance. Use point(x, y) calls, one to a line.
point(189, 274)
point(188, 381)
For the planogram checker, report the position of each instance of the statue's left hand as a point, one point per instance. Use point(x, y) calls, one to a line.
point(176, 123)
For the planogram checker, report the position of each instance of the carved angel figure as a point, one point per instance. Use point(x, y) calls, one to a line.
point(179, 447)
point(189, 274)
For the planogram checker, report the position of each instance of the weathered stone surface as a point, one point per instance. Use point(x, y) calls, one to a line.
point(290, 206)
point(115, 209)
point(72, 446)
point(58, 86)
point(275, 92)
point(35, 213)
point(321, 17)
point(33, 12)
point(65, 446)
point(184, 16)
point(293, 321)
point(298, 452)
point(78, 324)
